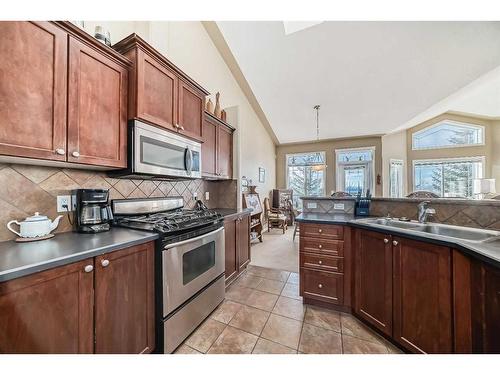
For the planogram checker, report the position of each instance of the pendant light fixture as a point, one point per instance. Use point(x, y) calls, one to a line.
point(320, 167)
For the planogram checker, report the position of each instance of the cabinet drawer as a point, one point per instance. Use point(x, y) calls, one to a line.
point(323, 286)
point(322, 262)
point(314, 245)
point(326, 231)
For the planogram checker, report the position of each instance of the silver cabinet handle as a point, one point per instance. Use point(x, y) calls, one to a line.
point(320, 230)
point(176, 126)
point(104, 262)
point(76, 154)
point(181, 127)
point(320, 246)
point(320, 286)
point(60, 151)
point(395, 243)
point(386, 240)
point(89, 268)
point(320, 262)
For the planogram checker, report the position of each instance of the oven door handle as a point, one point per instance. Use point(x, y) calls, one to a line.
point(193, 239)
point(188, 161)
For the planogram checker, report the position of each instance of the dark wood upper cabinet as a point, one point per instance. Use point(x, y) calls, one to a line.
point(209, 148)
point(243, 240)
point(217, 148)
point(124, 301)
point(33, 87)
point(422, 296)
point(225, 152)
point(190, 111)
point(373, 279)
point(231, 258)
point(97, 110)
point(159, 92)
point(48, 312)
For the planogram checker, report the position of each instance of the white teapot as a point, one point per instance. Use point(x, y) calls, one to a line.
point(34, 226)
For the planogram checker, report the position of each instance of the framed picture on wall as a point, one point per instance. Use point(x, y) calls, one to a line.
point(262, 174)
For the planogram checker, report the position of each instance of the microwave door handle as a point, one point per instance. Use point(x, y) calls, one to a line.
point(188, 160)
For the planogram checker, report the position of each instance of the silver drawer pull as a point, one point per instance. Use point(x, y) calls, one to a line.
point(395, 243)
point(320, 246)
point(104, 262)
point(386, 240)
point(88, 268)
point(320, 286)
point(320, 230)
point(60, 151)
point(76, 154)
point(320, 262)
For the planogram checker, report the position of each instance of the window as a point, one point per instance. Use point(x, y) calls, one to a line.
point(448, 133)
point(447, 177)
point(306, 175)
point(355, 170)
point(396, 168)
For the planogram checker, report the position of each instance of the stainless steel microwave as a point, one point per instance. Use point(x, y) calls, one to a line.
point(159, 154)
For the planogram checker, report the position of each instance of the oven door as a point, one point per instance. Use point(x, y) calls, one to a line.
point(159, 152)
point(190, 265)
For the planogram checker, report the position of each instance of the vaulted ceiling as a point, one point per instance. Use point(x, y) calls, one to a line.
point(369, 77)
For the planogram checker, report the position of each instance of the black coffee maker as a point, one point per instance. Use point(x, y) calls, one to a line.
point(93, 212)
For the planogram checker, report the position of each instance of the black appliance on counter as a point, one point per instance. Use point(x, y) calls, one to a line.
point(189, 262)
point(93, 212)
point(362, 204)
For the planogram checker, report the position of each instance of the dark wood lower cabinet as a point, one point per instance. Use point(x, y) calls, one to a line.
point(237, 245)
point(124, 301)
point(373, 279)
point(48, 312)
point(99, 305)
point(422, 296)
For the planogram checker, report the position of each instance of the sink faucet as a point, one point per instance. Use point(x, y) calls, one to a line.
point(423, 211)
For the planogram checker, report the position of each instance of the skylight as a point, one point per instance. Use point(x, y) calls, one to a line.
point(294, 26)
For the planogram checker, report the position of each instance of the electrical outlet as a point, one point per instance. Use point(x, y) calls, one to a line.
point(195, 195)
point(64, 203)
point(338, 206)
point(207, 195)
point(312, 205)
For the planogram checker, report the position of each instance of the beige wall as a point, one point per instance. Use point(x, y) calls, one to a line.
point(188, 45)
point(489, 150)
point(329, 147)
point(393, 147)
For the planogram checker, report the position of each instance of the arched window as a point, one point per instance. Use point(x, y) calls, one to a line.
point(448, 133)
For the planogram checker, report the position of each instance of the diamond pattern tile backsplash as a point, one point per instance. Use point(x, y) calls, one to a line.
point(25, 189)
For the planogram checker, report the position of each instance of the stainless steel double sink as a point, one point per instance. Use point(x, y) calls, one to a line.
point(444, 230)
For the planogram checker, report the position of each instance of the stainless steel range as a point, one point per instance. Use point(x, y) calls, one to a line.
point(189, 262)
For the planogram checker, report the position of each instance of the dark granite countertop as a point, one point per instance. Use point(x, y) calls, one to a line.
point(21, 259)
point(229, 212)
point(488, 251)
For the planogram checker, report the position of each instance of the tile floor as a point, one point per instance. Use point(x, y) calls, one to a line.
point(263, 314)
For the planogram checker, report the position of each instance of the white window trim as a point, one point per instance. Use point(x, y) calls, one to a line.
point(460, 123)
point(338, 180)
point(305, 153)
point(482, 159)
point(403, 176)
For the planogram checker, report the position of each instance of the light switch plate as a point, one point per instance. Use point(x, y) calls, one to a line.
point(338, 206)
point(312, 205)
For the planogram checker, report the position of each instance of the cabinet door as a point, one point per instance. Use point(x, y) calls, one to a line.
point(373, 279)
point(97, 108)
point(224, 152)
point(243, 239)
point(190, 111)
point(209, 149)
point(33, 90)
point(48, 312)
point(124, 301)
point(422, 296)
point(485, 309)
point(231, 257)
point(156, 93)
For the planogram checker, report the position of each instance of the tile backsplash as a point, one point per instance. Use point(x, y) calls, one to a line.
point(25, 189)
